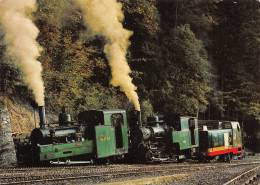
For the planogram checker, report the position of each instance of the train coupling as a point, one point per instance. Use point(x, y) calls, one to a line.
point(69, 162)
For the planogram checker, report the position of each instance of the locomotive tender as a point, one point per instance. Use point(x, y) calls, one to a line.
point(105, 135)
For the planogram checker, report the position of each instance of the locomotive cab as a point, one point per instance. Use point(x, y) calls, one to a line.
point(109, 129)
point(185, 139)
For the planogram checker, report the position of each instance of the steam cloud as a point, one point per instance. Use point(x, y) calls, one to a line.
point(20, 36)
point(103, 18)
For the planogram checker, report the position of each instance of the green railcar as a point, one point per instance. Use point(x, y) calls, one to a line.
point(222, 143)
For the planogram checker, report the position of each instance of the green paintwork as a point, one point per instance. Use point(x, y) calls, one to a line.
point(50, 152)
point(196, 132)
point(183, 138)
point(125, 136)
point(216, 137)
point(188, 131)
point(213, 138)
point(184, 123)
point(105, 141)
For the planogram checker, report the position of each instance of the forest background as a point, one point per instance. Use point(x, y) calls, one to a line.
point(196, 57)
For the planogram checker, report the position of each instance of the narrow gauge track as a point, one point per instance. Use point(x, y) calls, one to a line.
point(57, 176)
point(27, 169)
point(61, 174)
point(14, 170)
point(248, 177)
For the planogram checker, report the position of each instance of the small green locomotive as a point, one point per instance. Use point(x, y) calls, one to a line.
point(99, 134)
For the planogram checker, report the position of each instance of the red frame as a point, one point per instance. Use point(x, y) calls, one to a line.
point(225, 151)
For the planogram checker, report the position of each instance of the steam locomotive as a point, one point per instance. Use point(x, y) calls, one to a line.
point(107, 135)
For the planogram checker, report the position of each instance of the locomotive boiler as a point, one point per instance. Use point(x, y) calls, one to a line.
point(65, 132)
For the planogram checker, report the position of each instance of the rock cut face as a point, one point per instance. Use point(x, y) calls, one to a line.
point(7, 148)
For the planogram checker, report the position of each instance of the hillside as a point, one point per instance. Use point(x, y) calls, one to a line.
point(167, 57)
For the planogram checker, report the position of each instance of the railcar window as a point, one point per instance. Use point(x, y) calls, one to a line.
point(226, 125)
point(177, 125)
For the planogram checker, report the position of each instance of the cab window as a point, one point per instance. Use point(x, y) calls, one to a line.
point(238, 128)
point(117, 119)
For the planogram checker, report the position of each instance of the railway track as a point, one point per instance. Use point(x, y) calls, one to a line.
point(59, 174)
point(55, 176)
point(58, 168)
point(249, 177)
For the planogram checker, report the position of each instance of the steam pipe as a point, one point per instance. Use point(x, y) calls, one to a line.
point(42, 117)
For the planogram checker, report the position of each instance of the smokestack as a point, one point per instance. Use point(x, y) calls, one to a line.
point(139, 118)
point(42, 117)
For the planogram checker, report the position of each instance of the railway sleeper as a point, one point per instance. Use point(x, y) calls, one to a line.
point(252, 179)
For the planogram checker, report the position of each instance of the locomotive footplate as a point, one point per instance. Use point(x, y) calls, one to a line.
point(69, 162)
point(163, 160)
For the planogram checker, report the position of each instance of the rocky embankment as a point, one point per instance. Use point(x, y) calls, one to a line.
point(7, 149)
point(24, 118)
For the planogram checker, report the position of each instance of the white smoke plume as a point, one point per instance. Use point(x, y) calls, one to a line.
point(20, 36)
point(104, 17)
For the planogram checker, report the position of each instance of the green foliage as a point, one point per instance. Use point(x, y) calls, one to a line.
point(69, 63)
point(237, 57)
point(147, 108)
point(184, 75)
point(186, 57)
point(9, 74)
point(142, 17)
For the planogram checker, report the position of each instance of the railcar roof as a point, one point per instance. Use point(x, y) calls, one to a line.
point(188, 117)
point(111, 111)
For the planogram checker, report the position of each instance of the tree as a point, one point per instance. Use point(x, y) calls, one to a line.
point(71, 60)
point(142, 17)
point(184, 74)
point(236, 39)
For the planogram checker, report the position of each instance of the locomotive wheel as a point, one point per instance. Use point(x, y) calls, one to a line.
point(108, 160)
point(226, 158)
point(204, 160)
point(148, 156)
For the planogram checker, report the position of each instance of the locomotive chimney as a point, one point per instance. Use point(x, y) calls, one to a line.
point(139, 118)
point(42, 117)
